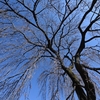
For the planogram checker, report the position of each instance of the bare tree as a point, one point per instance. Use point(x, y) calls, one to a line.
point(63, 34)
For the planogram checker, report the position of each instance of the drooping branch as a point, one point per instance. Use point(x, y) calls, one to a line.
point(71, 93)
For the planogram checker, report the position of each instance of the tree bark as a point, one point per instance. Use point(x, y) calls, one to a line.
point(79, 89)
point(89, 87)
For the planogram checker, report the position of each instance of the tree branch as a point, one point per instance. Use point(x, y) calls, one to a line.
point(88, 11)
point(92, 38)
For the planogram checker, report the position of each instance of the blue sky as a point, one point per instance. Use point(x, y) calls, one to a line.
point(34, 90)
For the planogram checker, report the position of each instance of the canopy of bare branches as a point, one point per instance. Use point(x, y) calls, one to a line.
point(60, 36)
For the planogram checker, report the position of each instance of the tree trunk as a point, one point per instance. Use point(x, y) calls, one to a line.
point(89, 87)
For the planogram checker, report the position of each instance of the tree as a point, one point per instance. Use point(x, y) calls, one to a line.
point(63, 35)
